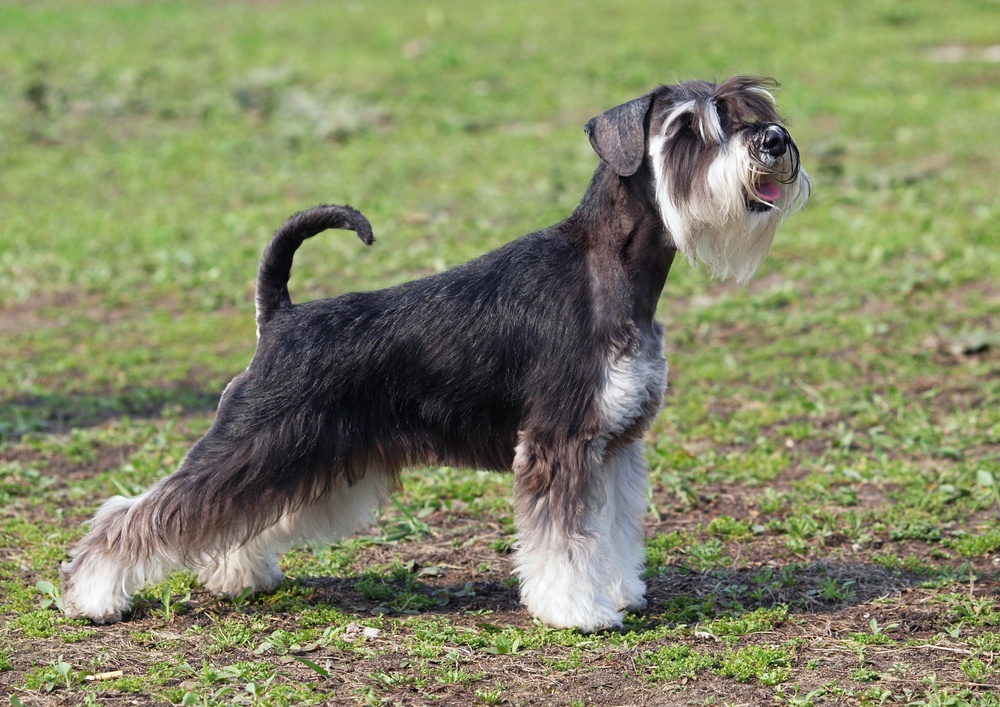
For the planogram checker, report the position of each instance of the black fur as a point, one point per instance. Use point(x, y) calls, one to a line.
point(442, 370)
point(542, 357)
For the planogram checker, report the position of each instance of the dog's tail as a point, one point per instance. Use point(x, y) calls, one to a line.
point(276, 262)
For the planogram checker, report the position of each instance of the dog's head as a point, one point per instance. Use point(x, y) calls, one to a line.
point(726, 172)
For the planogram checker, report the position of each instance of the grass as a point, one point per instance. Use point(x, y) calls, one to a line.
point(823, 521)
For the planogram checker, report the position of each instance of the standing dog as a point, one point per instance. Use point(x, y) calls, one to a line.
point(542, 356)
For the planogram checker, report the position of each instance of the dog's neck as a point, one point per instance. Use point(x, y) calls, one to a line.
point(621, 230)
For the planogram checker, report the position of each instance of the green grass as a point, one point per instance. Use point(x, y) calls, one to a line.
point(824, 515)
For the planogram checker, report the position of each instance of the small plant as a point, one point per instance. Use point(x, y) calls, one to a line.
point(409, 528)
point(214, 697)
point(728, 528)
point(769, 665)
point(57, 674)
point(794, 699)
point(258, 691)
point(672, 662)
point(875, 696)
point(242, 599)
point(710, 553)
point(878, 635)
point(989, 481)
point(970, 610)
point(51, 594)
point(976, 669)
point(316, 668)
point(836, 592)
point(864, 674)
point(491, 697)
point(170, 605)
point(505, 643)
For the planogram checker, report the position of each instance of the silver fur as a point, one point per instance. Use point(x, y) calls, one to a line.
point(542, 357)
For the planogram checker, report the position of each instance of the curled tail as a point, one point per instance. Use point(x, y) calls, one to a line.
point(276, 262)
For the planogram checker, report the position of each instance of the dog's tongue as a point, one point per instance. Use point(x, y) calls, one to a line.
point(768, 191)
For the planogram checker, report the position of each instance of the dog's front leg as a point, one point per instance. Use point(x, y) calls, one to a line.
point(626, 488)
point(561, 557)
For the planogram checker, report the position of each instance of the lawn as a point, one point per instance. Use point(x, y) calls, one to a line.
point(824, 523)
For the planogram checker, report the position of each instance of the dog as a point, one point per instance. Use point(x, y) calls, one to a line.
point(542, 357)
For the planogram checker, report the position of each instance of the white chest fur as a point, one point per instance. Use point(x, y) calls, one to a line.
point(634, 385)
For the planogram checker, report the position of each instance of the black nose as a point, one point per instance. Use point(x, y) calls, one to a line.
point(775, 140)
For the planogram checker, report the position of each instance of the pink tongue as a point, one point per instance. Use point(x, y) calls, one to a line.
point(768, 192)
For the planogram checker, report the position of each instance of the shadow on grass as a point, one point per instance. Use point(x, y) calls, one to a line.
point(56, 413)
point(677, 597)
point(681, 596)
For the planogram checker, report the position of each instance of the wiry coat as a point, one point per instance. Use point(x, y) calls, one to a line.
point(542, 356)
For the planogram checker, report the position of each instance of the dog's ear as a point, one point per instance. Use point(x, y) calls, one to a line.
point(618, 135)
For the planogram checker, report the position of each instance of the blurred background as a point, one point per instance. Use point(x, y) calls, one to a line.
point(147, 151)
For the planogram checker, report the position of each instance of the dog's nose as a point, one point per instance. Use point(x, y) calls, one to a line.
point(775, 141)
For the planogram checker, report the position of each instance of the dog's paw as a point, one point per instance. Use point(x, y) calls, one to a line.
point(572, 609)
point(92, 595)
point(237, 572)
point(629, 595)
point(586, 619)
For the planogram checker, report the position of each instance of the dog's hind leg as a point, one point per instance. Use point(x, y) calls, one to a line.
point(340, 512)
point(110, 563)
point(561, 551)
point(214, 500)
point(225, 513)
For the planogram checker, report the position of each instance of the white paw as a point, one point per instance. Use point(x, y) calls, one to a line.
point(93, 592)
point(235, 573)
point(560, 595)
point(586, 618)
point(629, 594)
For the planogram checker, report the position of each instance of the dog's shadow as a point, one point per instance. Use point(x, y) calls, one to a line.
point(676, 596)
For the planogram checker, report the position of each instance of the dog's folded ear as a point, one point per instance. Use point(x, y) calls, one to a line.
point(618, 135)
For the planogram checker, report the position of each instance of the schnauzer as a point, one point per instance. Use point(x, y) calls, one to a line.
point(542, 357)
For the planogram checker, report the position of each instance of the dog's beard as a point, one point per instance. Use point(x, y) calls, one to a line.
point(728, 216)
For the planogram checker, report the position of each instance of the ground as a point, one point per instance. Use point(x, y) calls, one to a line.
point(824, 518)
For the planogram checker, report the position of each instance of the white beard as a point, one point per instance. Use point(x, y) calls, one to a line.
point(714, 225)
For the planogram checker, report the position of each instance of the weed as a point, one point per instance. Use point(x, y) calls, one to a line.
point(491, 696)
point(757, 621)
point(504, 643)
point(768, 664)
point(968, 610)
point(672, 662)
point(976, 669)
point(706, 555)
point(975, 545)
point(410, 527)
point(659, 549)
point(727, 528)
point(864, 674)
point(51, 593)
point(229, 634)
point(836, 592)
point(57, 674)
point(878, 635)
point(170, 605)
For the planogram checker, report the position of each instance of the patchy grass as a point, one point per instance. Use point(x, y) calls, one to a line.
point(823, 522)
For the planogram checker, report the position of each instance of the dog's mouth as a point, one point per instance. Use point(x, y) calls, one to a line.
point(765, 192)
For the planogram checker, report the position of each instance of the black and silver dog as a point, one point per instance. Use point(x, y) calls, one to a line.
point(542, 356)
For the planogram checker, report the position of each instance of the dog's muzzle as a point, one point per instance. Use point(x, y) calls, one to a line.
point(774, 141)
point(770, 144)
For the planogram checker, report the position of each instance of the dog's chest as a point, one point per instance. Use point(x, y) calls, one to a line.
point(633, 387)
